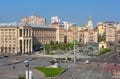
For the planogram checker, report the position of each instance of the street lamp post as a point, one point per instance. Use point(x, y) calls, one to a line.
point(74, 54)
point(118, 53)
point(27, 65)
point(66, 62)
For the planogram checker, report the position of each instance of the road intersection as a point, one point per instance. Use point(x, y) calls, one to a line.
point(95, 70)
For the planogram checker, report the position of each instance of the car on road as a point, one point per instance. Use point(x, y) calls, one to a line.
point(87, 62)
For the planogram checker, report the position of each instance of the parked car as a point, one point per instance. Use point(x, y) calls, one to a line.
point(1, 57)
point(6, 56)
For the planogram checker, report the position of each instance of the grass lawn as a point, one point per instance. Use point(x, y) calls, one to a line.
point(50, 72)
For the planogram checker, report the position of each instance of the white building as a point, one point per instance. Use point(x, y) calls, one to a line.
point(55, 19)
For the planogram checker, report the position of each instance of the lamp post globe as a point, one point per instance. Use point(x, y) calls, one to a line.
point(27, 65)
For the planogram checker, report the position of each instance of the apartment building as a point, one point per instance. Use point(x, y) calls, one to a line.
point(59, 32)
point(35, 20)
point(88, 36)
point(111, 35)
point(108, 31)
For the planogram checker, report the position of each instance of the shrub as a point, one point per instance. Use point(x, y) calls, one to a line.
point(105, 50)
point(50, 53)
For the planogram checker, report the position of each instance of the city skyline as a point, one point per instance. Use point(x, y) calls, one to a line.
point(72, 11)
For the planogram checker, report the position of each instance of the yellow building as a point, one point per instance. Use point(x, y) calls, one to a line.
point(101, 28)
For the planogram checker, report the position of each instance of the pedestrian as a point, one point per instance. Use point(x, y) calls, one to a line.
point(104, 60)
point(97, 64)
point(13, 66)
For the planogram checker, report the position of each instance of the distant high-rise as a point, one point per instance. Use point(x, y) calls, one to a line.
point(35, 20)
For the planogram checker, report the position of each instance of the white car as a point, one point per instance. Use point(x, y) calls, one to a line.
point(87, 62)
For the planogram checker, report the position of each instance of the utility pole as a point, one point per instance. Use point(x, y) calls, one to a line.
point(74, 53)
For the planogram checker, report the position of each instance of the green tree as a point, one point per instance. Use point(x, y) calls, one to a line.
point(101, 38)
point(51, 42)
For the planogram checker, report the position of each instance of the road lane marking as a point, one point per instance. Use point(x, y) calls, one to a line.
point(112, 55)
point(78, 71)
point(102, 70)
point(90, 72)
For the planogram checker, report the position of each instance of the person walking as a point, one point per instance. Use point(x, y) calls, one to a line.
point(13, 66)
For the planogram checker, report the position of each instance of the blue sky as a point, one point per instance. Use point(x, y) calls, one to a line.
point(76, 11)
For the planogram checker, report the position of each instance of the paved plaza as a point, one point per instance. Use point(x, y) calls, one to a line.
point(11, 68)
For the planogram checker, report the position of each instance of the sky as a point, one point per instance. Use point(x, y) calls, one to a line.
point(75, 11)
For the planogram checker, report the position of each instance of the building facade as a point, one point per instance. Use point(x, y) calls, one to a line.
point(15, 38)
point(43, 35)
point(22, 38)
point(111, 35)
point(59, 32)
point(87, 36)
point(25, 40)
point(35, 20)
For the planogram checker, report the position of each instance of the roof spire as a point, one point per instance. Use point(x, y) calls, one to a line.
point(90, 24)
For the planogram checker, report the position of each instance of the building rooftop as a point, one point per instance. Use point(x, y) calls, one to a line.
point(15, 24)
point(39, 26)
point(10, 24)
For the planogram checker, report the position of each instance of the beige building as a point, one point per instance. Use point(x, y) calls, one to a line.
point(88, 36)
point(22, 38)
point(15, 38)
point(118, 37)
point(43, 35)
point(71, 34)
point(111, 35)
point(25, 39)
point(35, 20)
point(59, 32)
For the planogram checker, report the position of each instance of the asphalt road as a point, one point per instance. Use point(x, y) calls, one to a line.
point(110, 57)
point(80, 70)
point(86, 71)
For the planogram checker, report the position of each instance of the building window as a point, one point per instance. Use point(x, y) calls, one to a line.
point(20, 32)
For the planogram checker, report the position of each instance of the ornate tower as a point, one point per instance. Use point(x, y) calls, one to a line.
point(90, 24)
